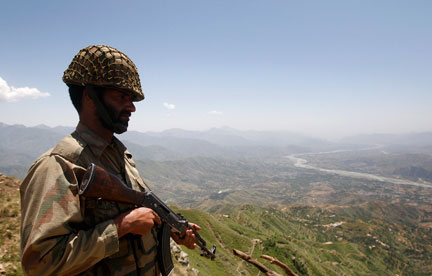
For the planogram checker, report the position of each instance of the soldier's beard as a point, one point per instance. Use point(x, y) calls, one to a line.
point(117, 125)
point(120, 125)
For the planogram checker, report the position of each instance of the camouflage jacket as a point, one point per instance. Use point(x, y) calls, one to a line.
point(63, 234)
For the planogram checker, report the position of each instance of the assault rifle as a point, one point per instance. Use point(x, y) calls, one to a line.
point(98, 183)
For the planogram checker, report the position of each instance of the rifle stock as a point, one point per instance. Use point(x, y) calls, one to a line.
point(98, 183)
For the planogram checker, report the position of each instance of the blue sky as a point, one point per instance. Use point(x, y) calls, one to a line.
point(324, 68)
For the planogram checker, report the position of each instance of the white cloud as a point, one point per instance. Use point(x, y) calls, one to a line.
point(169, 106)
point(13, 94)
point(215, 112)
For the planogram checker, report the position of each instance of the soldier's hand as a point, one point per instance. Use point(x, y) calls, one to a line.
point(189, 240)
point(137, 221)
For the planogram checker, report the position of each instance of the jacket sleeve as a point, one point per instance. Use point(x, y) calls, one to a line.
point(50, 212)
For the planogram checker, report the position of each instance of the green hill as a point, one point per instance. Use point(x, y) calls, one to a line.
point(374, 238)
point(315, 241)
point(9, 226)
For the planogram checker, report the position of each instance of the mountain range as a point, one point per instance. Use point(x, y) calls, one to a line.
point(21, 145)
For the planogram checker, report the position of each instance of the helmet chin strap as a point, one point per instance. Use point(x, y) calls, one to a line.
point(107, 118)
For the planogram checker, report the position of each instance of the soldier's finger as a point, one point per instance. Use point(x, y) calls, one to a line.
point(194, 226)
point(156, 218)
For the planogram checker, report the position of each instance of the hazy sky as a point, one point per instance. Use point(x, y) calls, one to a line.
point(326, 68)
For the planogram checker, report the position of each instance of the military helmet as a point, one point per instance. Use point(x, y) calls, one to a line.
point(101, 65)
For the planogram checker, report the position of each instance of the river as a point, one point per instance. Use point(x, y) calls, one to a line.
point(303, 163)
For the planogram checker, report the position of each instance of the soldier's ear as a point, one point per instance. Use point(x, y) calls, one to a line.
point(86, 100)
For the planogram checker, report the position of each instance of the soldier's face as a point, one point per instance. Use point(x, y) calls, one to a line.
point(119, 105)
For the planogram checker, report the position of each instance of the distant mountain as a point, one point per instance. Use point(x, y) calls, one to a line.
point(31, 141)
point(42, 126)
point(21, 145)
point(214, 136)
point(15, 163)
point(411, 139)
point(152, 152)
point(185, 146)
point(227, 136)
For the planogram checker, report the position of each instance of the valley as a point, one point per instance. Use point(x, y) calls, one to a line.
point(363, 210)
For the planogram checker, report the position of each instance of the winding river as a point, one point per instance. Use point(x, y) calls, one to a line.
point(303, 163)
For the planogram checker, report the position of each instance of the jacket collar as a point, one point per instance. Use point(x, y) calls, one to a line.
point(96, 143)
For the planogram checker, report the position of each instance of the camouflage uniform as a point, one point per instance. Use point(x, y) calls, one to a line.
point(63, 234)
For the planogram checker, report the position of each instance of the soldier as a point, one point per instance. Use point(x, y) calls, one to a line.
point(63, 234)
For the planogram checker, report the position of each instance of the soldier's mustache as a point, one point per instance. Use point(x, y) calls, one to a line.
point(124, 112)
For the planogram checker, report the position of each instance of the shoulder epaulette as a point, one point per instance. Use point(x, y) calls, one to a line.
point(69, 147)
